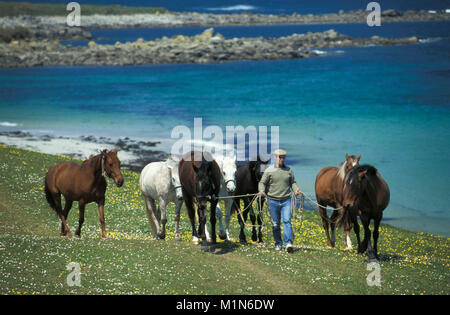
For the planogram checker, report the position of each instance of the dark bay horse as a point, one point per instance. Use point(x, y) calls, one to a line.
point(247, 179)
point(365, 193)
point(328, 188)
point(200, 181)
point(84, 183)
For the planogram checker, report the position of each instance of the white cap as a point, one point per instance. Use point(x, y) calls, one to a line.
point(279, 152)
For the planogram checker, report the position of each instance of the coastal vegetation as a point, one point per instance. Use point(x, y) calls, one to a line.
point(34, 257)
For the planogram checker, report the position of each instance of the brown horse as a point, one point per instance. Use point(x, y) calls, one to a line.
point(200, 180)
point(365, 193)
point(329, 193)
point(84, 183)
point(247, 178)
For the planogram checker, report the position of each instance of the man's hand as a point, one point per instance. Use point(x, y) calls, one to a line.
point(262, 193)
point(297, 192)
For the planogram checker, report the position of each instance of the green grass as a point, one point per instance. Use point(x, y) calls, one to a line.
point(34, 257)
point(37, 9)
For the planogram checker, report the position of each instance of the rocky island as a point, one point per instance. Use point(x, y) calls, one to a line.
point(207, 47)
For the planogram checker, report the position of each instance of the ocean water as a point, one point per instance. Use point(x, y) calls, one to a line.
point(425, 30)
point(389, 104)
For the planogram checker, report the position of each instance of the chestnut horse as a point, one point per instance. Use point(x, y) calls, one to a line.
point(329, 193)
point(200, 181)
point(365, 193)
point(84, 183)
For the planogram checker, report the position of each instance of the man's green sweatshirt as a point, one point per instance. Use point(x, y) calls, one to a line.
point(277, 182)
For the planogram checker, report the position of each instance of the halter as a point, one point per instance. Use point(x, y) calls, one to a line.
point(178, 187)
point(230, 180)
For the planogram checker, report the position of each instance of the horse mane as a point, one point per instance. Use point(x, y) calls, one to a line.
point(93, 159)
point(341, 171)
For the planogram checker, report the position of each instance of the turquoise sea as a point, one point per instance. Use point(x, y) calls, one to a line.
point(389, 104)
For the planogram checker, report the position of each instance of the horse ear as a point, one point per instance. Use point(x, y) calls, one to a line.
point(361, 174)
point(115, 151)
point(346, 156)
point(359, 157)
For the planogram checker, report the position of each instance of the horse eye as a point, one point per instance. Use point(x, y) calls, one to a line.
point(110, 164)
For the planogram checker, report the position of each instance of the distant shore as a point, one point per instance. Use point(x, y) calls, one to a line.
point(176, 19)
point(134, 154)
point(53, 27)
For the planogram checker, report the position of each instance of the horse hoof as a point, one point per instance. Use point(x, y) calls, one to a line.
point(223, 237)
point(195, 240)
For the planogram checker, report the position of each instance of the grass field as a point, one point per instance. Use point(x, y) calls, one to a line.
point(33, 257)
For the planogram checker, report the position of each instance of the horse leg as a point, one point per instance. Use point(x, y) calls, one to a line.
point(201, 226)
point(324, 216)
point(178, 205)
point(376, 233)
point(365, 221)
point(356, 230)
point(253, 219)
point(64, 228)
point(162, 206)
point(191, 214)
point(242, 217)
point(101, 216)
point(228, 204)
point(81, 207)
point(65, 213)
point(151, 207)
point(333, 219)
point(259, 220)
point(347, 228)
point(219, 216)
point(212, 220)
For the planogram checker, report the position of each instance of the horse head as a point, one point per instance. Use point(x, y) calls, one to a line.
point(228, 168)
point(351, 161)
point(204, 186)
point(172, 164)
point(258, 167)
point(357, 184)
point(111, 166)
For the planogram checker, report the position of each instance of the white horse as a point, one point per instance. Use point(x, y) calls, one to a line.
point(160, 181)
point(228, 168)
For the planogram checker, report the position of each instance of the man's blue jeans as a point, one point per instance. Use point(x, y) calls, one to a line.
point(281, 210)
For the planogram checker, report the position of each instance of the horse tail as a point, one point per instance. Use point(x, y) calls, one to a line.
point(49, 197)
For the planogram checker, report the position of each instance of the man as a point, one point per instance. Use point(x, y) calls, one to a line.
point(278, 180)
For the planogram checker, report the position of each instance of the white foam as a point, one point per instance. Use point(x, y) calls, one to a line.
point(319, 52)
point(8, 124)
point(429, 40)
point(238, 7)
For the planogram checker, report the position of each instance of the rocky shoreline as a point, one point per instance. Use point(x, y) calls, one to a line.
point(207, 47)
point(174, 19)
point(134, 154)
